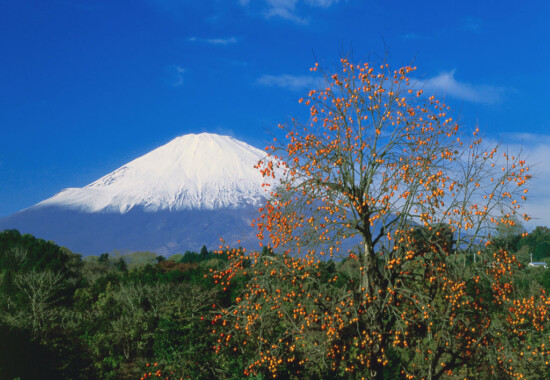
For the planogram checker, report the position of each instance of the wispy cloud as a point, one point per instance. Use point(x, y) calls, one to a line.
point(175, 75)
point(535, 149)
point(445, 84)
point(291, 82)
point(222, 41)
point(214, 41)
point(321, 3)
point(286, 9)
point(471, 24)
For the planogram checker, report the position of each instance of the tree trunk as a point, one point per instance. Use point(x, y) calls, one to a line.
point(370, 282)
point(377, 370)
point(368, 273)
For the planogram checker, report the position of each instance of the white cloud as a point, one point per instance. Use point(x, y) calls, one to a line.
point(527, 138)
point(321, 3)
point(175, 75)
point(535, 149)
point(286, 9)
point(445, 84)
point(213, 41)
point(222, 41)
point(291, 82)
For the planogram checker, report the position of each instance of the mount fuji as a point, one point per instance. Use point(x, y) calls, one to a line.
point(194, 190)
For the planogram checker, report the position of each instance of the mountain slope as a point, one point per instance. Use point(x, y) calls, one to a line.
point(204, 171)
point(164, 232)
point(192, 191)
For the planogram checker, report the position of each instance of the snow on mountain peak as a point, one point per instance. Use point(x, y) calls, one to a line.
point(195, 171)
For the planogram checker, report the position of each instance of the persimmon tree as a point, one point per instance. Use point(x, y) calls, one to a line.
point(382, 202)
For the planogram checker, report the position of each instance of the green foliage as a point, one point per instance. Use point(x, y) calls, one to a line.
point(27, 253)
point(193, 257)
point(139, 258)
point(176, 257)
point(106, 316)
point(538, 242)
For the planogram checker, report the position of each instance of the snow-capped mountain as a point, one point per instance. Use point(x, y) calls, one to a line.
point(196, 171)
point(192, 191)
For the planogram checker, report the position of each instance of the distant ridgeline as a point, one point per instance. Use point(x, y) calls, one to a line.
point(24, 252)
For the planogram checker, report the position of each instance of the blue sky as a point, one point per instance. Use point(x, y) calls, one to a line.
point(88, 85)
